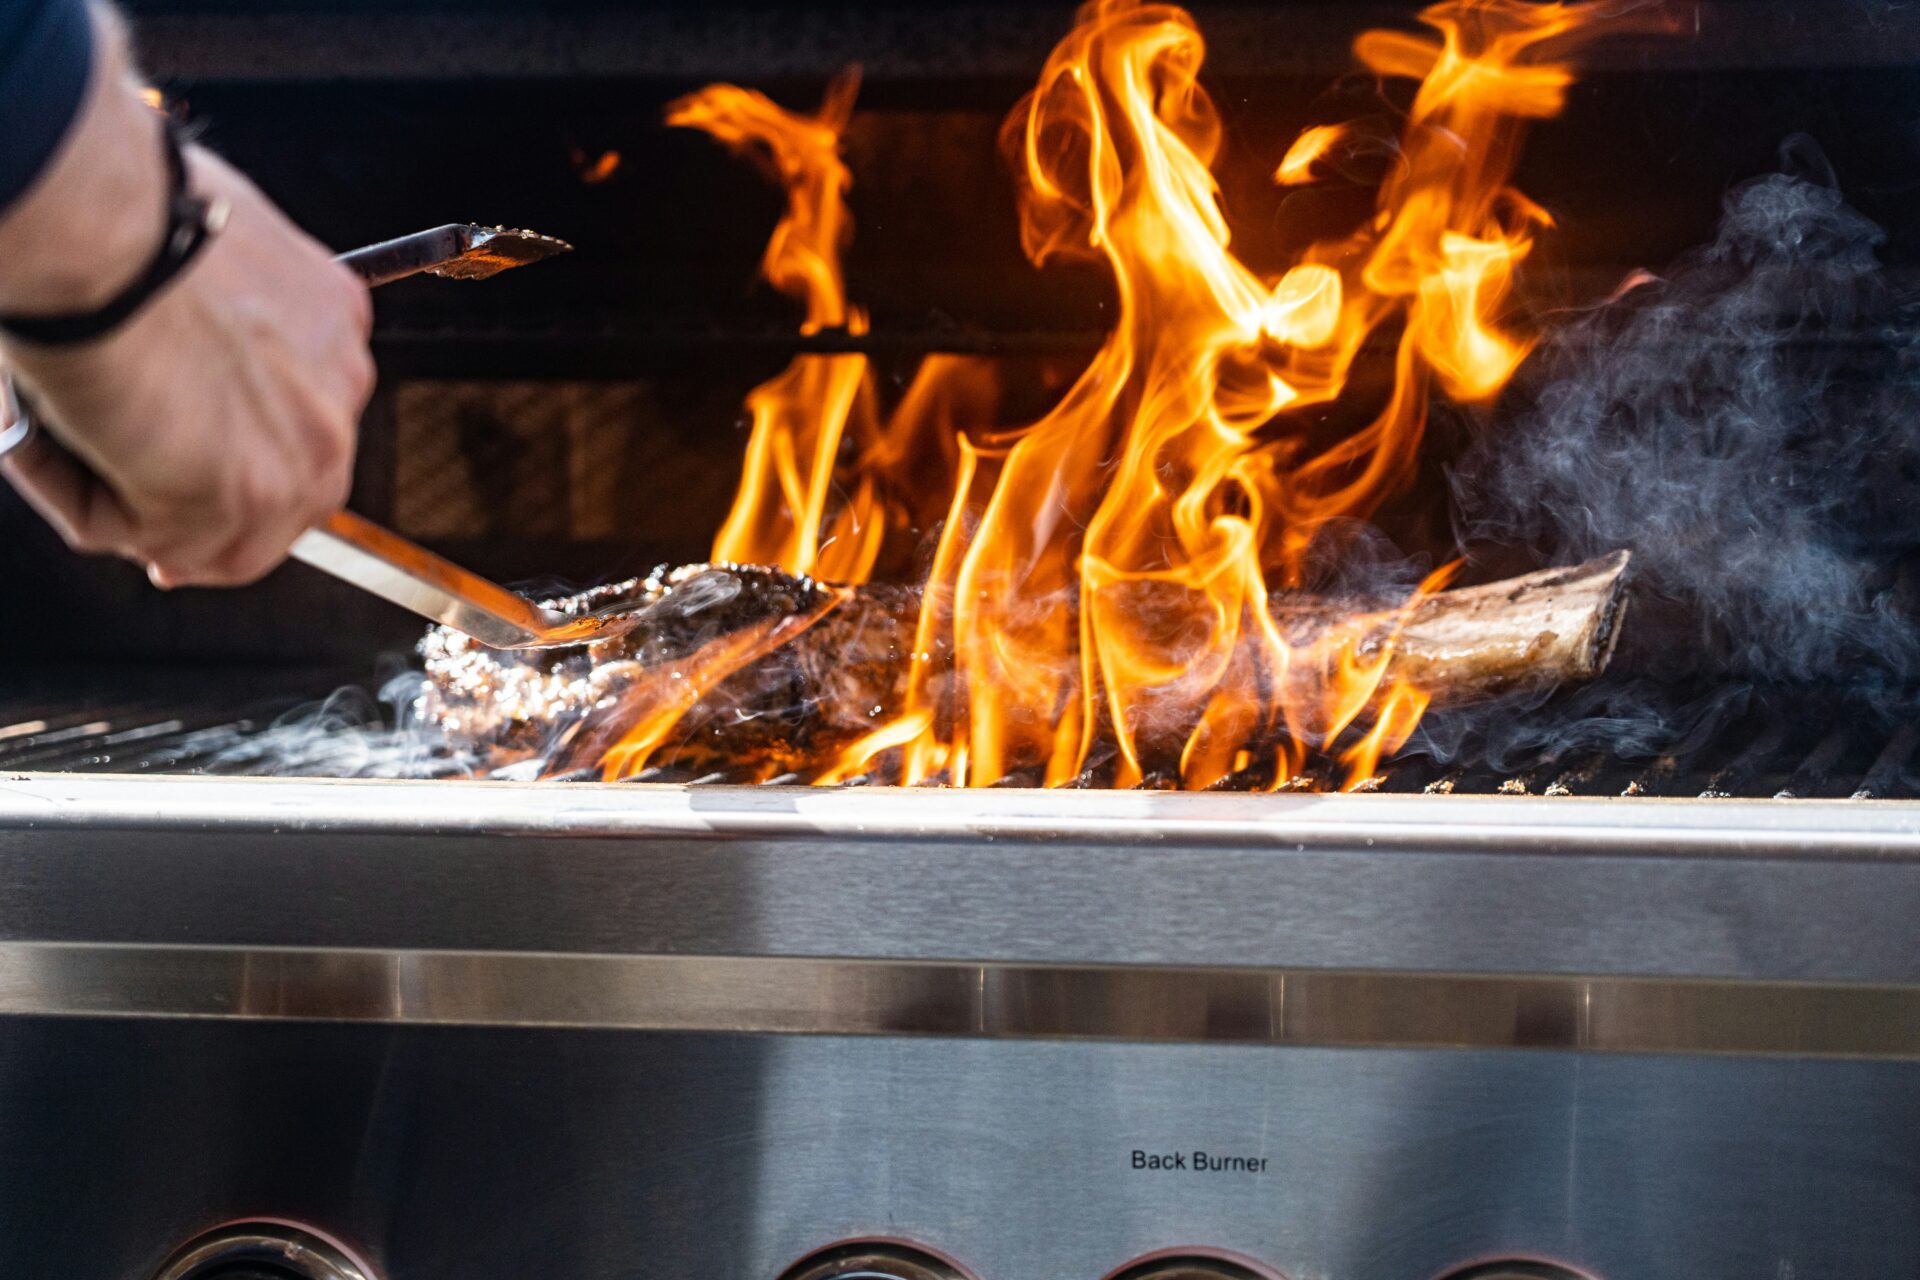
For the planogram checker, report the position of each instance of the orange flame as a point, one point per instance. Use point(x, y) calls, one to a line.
point(780, 514)
point(596, 170)
point(1117, 573)
point(657, 699)
point(1297, 168)
point(799, 507)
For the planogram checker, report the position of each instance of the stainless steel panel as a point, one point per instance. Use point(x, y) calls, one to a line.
point(993, 1001)
point(1776, 891)
point(456, 1154)
point(486, 1032)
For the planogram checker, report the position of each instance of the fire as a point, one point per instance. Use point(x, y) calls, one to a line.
point(1309, 147)
point(780, 515)
point(1117, 577)
point(596, 170)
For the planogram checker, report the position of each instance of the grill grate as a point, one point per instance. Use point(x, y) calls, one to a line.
point(165, 720)
point(276, 724)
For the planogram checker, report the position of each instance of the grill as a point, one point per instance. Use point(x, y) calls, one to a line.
point(1613, 983)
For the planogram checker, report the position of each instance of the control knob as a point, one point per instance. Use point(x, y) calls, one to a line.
point(260, 1251)
point(1189, 1268)
point(872, 1262)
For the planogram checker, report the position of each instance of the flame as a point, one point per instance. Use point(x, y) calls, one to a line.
point(1297, 168)
point(780, 514)
point(657, 699)
point(597, 170)
point(1121, 573)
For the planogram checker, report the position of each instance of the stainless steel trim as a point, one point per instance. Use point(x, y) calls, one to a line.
point(992, 1001)
point(1821, 892)
point(1851, 829)
point(284, 1247)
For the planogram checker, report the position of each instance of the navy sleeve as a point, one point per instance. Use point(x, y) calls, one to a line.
point(46, 52)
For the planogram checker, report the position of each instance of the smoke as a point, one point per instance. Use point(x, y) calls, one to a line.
point(381, 731)
point(351, 733)
point(1746, 424)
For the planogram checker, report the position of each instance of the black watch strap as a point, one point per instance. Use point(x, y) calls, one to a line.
point(191, 221)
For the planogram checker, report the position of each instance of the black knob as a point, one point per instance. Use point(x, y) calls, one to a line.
point(872, 1262)
point(1514, 1270)
point(1189, 1269)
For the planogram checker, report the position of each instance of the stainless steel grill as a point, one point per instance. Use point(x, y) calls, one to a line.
point(1635, 1007)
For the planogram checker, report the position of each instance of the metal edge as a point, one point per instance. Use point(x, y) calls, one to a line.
point(789, 996)
point(1845, 829)
point(276, 1244)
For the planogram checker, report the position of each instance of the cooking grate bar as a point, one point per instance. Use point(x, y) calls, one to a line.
point(1738, 776)
point(125, 744)
point(1814, 777)
point(1889, 770)
point(1759, 755)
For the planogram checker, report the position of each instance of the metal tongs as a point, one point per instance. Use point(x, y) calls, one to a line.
point(375, 559)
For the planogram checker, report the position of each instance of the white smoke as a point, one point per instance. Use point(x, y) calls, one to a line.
point(1749, 424)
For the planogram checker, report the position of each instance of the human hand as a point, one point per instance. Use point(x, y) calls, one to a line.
point(207, 432)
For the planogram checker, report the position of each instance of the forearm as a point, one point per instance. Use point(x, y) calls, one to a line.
point(94, 213)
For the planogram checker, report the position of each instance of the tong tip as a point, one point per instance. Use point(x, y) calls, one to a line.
point(491, 250)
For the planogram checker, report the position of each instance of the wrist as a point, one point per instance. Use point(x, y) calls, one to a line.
point(93, 218)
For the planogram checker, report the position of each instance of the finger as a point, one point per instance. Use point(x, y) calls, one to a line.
point(83, 510)
point(181, 538)
point(87, 511)
point(204, 549)
point(262, 510)
point(246, 557)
